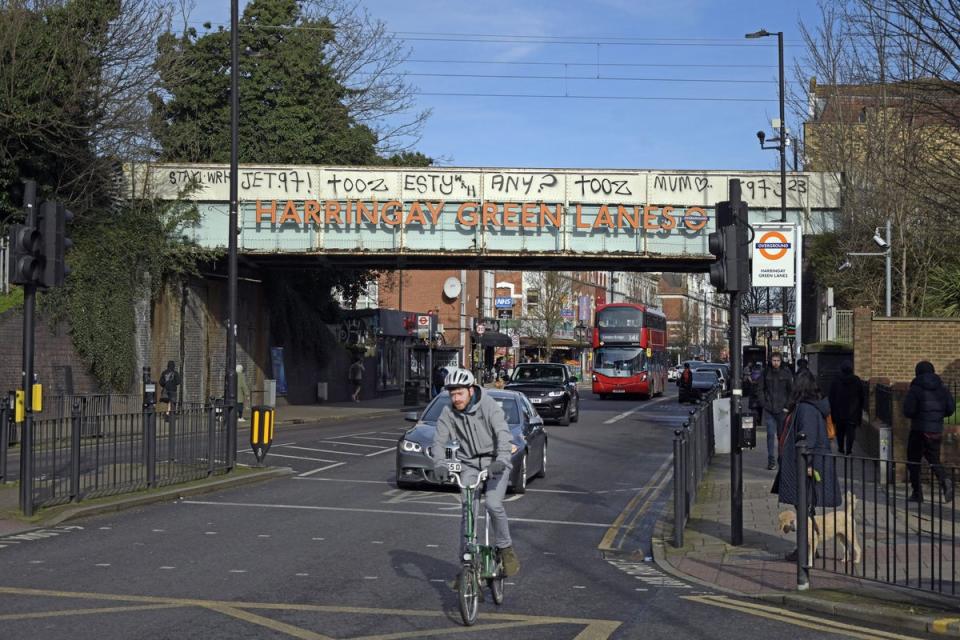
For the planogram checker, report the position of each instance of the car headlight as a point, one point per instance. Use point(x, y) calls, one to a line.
point(555, 394)
point(407, 445)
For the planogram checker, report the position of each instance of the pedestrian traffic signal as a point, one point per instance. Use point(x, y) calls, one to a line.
point(26, 264)
point(54, 217)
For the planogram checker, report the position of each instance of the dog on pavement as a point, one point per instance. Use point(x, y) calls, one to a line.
point(827, 526)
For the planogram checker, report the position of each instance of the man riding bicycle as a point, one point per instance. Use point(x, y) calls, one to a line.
point(476, 421)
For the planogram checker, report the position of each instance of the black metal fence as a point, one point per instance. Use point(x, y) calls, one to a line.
point(693, 447)
point(99, 447)
point(876, 533)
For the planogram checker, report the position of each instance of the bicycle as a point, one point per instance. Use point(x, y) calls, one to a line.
point(479, 561)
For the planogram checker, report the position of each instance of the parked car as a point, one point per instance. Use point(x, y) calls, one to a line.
point(551, 388)
point(673, 374)
point(415, 460)
point(721, 370)
point(704, 381)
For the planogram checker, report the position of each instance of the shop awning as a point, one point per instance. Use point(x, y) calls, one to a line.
point(495, 339)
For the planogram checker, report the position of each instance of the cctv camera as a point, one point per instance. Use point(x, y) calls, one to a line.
point(880, 241)
point(846, 265)
point(761, 136)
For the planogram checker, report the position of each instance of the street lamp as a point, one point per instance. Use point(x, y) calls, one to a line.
point(580, 330)
point(782, 141)
point(887, 253)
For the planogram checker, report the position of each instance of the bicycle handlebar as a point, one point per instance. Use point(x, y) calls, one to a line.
point(456, 477)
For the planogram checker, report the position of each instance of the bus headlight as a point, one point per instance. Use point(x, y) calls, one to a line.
point(415, 447)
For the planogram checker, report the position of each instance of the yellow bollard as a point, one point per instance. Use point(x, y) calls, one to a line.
point(261, 431)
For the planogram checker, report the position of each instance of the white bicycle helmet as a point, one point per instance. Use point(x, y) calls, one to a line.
point(458, 378)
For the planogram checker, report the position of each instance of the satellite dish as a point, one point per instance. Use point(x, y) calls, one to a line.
point(451, 287)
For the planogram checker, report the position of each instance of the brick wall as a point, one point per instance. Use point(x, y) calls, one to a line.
point(886, 350)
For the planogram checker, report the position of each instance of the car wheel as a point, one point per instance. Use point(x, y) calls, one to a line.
point(543, 463)
point(564, 420)
point(520, 481)
point(576, 416)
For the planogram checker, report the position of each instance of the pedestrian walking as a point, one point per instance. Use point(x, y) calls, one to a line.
point(927, 403)
point(846, 406)
point(807, 415)
point(776, 389)
point(355, 375)
point(243, 393)
point(169, 383)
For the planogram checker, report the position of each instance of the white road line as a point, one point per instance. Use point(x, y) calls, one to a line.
point(313, 471)
point(352, 444)
point(578, 493)
point(280, 455)
point(302, 477)
point(342, 453)
point(623, 415)
point(168, 568)
point(350, 435)
point(394, 440)
point(306, 507)
point(102, 564)
point(376, 453)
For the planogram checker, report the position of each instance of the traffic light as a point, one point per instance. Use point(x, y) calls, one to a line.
point(27, 264)
point(731, 270)
point(54, 218)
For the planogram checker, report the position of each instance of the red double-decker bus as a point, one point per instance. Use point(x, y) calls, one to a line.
point(629, 350)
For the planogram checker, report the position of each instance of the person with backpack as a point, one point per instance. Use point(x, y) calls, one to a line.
point(927, 403)
point(169, 383)
point(846, 406)
point(685, 382)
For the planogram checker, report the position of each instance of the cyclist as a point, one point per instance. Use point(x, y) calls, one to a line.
point(477, 422)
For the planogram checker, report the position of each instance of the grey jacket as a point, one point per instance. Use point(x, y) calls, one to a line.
point(481, 429)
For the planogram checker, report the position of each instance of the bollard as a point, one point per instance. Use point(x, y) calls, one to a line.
point(261, 431)
point(803, 520)
point(679, 517)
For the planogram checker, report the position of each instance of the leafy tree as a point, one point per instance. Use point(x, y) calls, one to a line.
point(544, 318)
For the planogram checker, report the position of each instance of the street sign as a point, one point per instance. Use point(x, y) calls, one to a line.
point(515, 341)
point(765, 320)
point(503, 302)
point(774, 255)
point(423, 321)
point(566, 313)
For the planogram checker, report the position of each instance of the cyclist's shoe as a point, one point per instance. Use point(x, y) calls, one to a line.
point(511, 564)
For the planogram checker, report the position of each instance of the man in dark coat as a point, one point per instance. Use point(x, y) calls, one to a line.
point(927, 403)
point(776, 387)
point(846, 406)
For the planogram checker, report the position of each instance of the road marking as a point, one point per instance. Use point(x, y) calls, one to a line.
point(623, 415)
point(301, 477)
point(102, 564)
point(797, 619)
point(281, 455)
point(238, 570)
point(313, 471)
point(647, 496)
point(376, 453)
point(85, 612)
point(942, 625)
point(593, 629)
point(648, 573)
point(353, 444)
point(573, 493)
point(342, 453)
point(393, 440)
point(168, 568)
point(306, 507)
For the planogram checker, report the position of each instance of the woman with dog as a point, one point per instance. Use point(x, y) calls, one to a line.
point(808, 412)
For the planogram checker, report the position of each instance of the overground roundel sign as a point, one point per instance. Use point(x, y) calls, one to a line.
point(773, 245)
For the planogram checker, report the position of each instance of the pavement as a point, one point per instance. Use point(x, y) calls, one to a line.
point(757, 569)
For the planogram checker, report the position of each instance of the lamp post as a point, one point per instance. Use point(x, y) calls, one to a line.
point(887, 253)
point(580, 330)
point(230, 379)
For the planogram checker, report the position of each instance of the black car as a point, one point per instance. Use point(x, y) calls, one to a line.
point(551, 388)
point(415, 461)
point(704, 381)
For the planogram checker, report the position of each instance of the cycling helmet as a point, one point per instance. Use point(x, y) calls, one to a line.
point(458, 378)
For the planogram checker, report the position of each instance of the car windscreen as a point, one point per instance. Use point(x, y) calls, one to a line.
point(509, 406)
point(614, 362)
point(526, 373)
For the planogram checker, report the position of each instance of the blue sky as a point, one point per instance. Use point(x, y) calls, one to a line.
point(654, 47)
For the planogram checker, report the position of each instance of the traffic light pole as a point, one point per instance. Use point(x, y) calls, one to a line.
point(230, 377)
point(740, 222)
point(29, 306)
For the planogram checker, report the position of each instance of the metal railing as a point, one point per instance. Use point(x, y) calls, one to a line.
point(83, 455)
point(844, 326)
point(693, 447)
point(883, 396)
point(875, 533)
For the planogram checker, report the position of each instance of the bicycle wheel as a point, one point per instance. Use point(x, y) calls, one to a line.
point(468, 596)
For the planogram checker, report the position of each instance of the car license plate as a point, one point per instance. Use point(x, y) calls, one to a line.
point(619, 390)
point(536, 400)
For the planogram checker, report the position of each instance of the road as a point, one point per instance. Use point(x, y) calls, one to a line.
point(337, 551)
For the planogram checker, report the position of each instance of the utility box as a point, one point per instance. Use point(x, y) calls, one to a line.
point(887, 475)
point(721, 425)
point(270, 393)
point(321, 392)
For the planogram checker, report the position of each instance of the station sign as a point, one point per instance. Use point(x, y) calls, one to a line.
point(774, 255)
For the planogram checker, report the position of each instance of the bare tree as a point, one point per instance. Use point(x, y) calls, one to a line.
point(367, 59)
point(544, 318)
point(686, 339)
